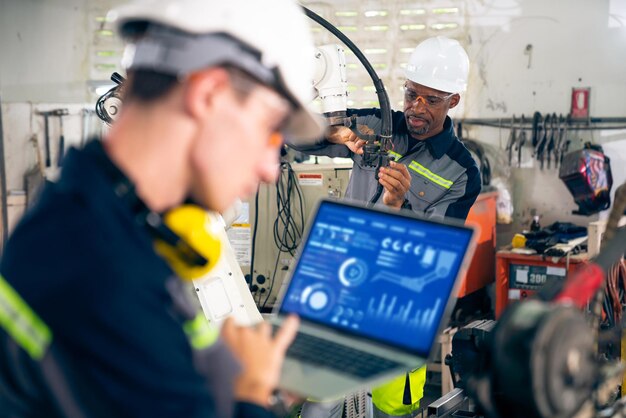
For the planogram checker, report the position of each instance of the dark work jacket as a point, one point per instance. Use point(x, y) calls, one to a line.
point(88, 269)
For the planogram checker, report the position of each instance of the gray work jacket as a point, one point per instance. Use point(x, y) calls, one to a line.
point(445, 180)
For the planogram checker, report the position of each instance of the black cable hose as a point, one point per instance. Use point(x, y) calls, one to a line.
point(381, 93)
point(379, 191)
point(100, 110)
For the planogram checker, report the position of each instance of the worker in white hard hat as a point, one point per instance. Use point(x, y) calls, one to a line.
point(433, 174)
point(94, 319)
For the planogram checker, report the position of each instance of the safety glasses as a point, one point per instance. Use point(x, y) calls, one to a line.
point(413, 97)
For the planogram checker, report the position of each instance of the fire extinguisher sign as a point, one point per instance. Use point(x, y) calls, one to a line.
point(580, 102)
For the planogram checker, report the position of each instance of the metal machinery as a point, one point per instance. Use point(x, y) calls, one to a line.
point(544, 358)
point(330, 180)
point(314, 182)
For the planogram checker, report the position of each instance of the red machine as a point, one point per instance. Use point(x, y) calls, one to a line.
point(521, 276)
point(480, 272)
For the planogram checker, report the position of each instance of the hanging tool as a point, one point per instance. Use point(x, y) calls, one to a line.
point(521, 141)
point(551, 142)
point(541, 143)
point(60, 113)
point(46, 115)
point(46, 136)
point(537, 119)
point(561, 129)
point(34, 177)
point(564, 145)
point(86, 119)
point(511, 141)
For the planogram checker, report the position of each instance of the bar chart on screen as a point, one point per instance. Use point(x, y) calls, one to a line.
point(386, 311)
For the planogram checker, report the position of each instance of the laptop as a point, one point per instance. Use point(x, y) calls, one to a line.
point(373, 288)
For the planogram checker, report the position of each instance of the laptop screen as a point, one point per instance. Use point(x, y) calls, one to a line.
point(378, 275)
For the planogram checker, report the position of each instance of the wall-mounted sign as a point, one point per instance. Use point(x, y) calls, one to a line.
point(580, 102)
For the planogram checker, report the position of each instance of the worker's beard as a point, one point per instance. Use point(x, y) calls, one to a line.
point(419, 132)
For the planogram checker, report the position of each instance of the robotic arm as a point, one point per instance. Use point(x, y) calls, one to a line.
point(331, 83)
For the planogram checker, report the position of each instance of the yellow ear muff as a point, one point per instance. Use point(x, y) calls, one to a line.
point(198, 248)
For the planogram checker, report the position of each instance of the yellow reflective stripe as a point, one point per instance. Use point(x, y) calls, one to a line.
point(200, 333)
point(395, 155)
point(22, 323)
point(423, 171)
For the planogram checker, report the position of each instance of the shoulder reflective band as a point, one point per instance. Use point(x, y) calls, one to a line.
point(395, 155)
point(201, 334)
point(22, 323)
point(423, 171)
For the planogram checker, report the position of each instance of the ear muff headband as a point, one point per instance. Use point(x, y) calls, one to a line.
point(192, 247)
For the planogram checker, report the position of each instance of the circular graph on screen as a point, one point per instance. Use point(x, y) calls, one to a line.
point(353, 272)
point(318, 299)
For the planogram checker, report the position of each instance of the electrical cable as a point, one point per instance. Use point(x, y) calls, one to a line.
point(291, 229)
point(287, 229)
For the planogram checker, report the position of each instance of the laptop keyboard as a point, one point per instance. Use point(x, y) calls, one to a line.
point(324, 353)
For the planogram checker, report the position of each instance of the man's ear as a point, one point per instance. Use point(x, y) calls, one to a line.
point(202, 89)
point(454, 100)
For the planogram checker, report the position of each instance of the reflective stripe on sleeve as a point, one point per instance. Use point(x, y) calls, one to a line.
point(201, 334)
point(22, 323)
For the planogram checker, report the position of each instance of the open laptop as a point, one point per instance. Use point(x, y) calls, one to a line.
point(373, 289)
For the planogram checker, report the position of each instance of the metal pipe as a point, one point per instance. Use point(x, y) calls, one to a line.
point(583, 125)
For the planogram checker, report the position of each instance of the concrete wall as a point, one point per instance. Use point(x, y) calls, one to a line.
point(44, 53)
point(526, 57)
point(54, 50)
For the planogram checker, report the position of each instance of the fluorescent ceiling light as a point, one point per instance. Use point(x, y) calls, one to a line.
point(105, 32)
point(446, 10)
point(442, 26)
point(417, 26)
point(412, 12)
point(377, 28)
point(376, 13)
point(346, 13)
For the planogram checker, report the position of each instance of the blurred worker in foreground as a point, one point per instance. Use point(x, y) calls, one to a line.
point(434, 175)
point(93, 322)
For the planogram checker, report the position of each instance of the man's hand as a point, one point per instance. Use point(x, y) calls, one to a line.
point(261, 357)
point(343, 135)
point(396, 180)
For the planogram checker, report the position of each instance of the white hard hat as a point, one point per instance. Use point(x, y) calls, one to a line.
point(439, 63)
point(270, 39)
